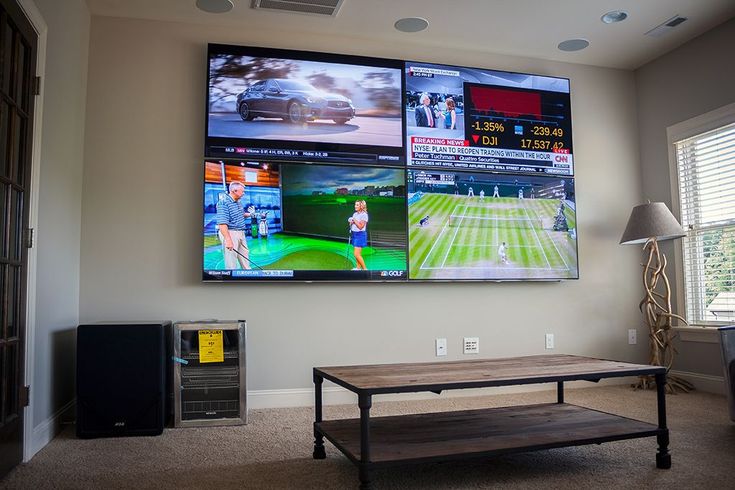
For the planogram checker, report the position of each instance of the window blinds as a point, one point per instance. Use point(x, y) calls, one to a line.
point(706, 165)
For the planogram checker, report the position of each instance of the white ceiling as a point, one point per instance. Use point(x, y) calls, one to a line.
point(531, 28)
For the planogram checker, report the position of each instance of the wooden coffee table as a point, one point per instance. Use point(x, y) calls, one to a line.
point(383, 441)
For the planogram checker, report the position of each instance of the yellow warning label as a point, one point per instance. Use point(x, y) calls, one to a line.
point(211, 347)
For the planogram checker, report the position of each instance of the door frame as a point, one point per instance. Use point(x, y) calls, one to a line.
point(39, 25)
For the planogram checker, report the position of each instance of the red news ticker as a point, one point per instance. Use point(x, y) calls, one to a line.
point(438, 141)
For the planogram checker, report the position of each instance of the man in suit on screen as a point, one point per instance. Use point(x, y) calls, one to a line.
point(424, 116)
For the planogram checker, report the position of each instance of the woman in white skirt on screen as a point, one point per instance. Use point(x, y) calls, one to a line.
point(358, 228)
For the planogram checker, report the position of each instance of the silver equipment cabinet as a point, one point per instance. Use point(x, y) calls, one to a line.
point(208, 391)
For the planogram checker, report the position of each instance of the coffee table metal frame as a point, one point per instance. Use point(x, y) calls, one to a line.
point(365, 464)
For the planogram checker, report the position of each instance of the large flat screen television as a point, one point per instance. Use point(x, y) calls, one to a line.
point(363, 169)
point(273, 104)
point(477, 119)
point(301, 222)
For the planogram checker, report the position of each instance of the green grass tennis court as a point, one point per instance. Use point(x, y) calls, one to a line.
point(463, 235)
point(293, 252)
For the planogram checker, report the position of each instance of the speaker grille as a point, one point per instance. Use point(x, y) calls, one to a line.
point(121, 379)
point(318, 7)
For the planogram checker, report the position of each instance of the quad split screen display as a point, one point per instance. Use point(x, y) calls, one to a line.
point(341, 168)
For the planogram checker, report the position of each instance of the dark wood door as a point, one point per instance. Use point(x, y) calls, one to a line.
point(17, 89)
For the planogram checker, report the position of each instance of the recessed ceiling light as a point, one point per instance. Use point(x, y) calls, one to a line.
point(573, 44)
point(215, 6)
point(614, 16)
point(411, 24)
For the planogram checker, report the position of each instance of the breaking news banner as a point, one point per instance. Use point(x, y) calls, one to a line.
point(454, 153)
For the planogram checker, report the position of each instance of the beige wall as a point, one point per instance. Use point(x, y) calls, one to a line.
point(59, 210)
point(696, 78)
point(142, 225)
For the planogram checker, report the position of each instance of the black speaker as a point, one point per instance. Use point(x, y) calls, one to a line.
point(123, 379)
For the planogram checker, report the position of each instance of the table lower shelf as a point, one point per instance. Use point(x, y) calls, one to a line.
point(469, 433)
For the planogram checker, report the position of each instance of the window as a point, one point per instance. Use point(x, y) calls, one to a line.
point(706, 184)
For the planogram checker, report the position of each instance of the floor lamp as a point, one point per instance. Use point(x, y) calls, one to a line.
point(649, 224)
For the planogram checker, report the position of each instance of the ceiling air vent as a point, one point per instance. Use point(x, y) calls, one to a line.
point(666, 27)
point(314, 7)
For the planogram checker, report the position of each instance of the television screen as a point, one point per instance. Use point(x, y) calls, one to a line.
point(491, 226)
point(268, 104)
point(475, 119)
point(345, 168)
point(303, 222)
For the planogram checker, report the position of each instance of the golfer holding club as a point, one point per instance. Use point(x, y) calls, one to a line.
point(358, 229)
point(231, 227)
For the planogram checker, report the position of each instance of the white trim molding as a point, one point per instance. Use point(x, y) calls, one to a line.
point(703, 382)
point(335, 395)
point(708, 335)
point(41, 28)
point(49, 428)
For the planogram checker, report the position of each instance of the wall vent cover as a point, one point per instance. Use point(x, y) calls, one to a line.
point(314, 7)
point(667, 26)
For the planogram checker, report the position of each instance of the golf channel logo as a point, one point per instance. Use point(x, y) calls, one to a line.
point(391, 273)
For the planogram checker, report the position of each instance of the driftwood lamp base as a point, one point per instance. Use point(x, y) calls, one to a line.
point(656, 309)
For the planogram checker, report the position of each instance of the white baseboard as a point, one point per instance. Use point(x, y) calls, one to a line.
point(48, 429)
point(335, 395)
point(703, 382)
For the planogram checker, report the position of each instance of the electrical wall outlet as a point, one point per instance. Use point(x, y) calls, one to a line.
point(472, 345)
point(632, 336)
point(441, 347)
point(549, 340)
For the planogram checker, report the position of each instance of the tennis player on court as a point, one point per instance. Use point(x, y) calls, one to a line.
point(358, 227)
point(502, 254)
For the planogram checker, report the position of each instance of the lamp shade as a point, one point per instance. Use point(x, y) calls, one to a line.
point(651, 220)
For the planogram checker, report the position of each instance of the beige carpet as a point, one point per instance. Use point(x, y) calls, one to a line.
point(274, 451)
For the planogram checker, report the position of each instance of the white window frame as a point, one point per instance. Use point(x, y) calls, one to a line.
point(677, 132)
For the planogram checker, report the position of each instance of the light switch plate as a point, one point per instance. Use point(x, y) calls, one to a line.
point(472, 345)
point(632, 336)
point(549, 340)
point(441, 347)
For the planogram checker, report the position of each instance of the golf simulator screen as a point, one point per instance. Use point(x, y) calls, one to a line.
point(303, 222)
point(324, 167)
